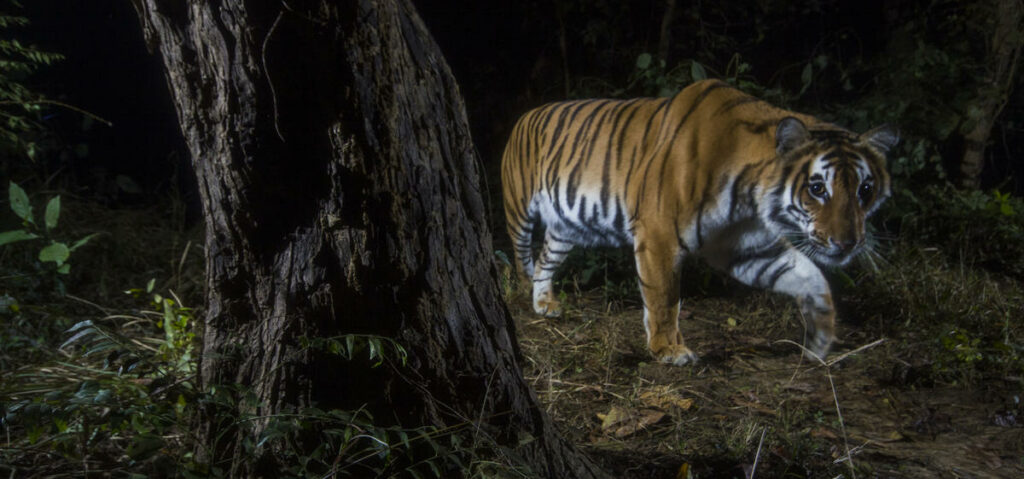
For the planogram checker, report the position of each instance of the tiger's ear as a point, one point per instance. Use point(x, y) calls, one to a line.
point(789, 134)
point(883, 138)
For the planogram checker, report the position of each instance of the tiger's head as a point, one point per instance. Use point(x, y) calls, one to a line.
point(830, 182)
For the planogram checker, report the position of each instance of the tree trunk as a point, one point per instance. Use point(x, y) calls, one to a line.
point(997, 82)
point(665, 35)
point(563, 47)
point(340, 191)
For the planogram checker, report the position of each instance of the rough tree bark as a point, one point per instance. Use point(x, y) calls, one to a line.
point(997, 83)
point(340, 192)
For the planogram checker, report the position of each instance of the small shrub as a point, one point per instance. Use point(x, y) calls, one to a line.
point(54, 254)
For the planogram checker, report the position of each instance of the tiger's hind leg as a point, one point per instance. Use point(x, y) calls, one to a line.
point(551, 256)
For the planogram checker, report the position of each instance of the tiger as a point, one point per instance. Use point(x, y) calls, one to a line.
point(761, 193)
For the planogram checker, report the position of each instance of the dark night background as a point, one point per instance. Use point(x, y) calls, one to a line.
point(107, 71)
point(507, 57)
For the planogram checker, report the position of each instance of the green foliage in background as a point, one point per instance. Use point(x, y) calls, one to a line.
point(19, 105)
point(980, 228)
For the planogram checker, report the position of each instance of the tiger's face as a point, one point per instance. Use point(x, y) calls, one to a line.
point(831, 182)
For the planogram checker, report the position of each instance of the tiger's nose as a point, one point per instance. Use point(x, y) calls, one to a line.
point(844, 244)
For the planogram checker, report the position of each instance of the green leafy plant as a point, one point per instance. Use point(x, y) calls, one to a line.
point(963, 347)
point(378, 348)
point(120, 385)
point(350, 444)
point(982, 228)
point(177, 322)
point(57, 252)
point(346, 443)
point(653, 77)
point(612, 271)
point(507, 276)
point(964, 355)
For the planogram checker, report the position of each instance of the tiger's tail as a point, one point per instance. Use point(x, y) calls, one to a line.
point(519, 189)
point(521, 233)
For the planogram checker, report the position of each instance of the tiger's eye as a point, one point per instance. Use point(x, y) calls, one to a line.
point(865, 192)
point(817, 189)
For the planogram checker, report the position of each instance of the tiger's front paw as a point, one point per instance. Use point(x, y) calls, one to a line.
point(676, 355)
point(547, 307)
point(818, 346)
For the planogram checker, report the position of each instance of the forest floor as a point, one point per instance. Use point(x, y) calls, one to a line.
point(925, 380)
point(897, 397)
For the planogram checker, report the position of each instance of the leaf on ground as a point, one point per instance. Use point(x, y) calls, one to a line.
point(684, 471)
point(614, 416)
point(665, 398)
point(621, 422)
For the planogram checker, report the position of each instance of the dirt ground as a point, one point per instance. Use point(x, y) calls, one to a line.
point(753, 406)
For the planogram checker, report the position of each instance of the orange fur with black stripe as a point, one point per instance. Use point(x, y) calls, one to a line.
point(759, 192)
